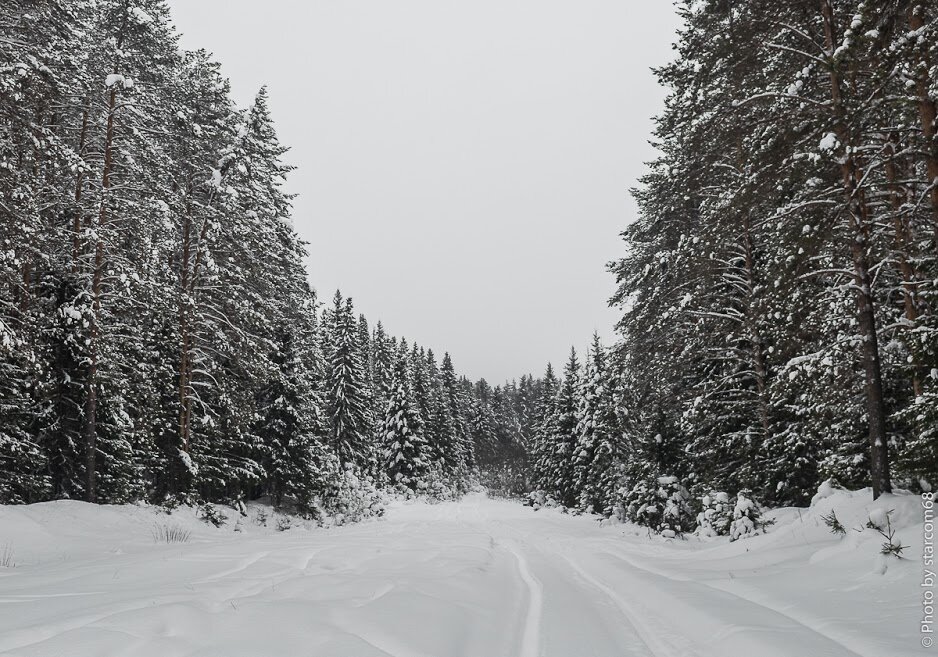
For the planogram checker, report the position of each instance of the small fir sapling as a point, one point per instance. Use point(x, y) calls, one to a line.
point(834, 524)
point(879, 520)
point(210, 515)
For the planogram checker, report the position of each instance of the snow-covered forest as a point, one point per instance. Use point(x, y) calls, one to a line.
point(162, 347)
point(778, 288)
point(160, 340)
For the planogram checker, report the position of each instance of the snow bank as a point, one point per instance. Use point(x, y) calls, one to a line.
point(66, 530)
point(840, 586)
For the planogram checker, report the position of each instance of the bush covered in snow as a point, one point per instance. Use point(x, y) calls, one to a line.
point(352, 497)
point(435, 485)
point(747, 517)
point(539, 499)
point(716, 515)
point(660, 504)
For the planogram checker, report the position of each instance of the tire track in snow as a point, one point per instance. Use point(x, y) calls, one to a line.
point(531, 637)
point(243, 565)
point(654, 644)
point(848, 643)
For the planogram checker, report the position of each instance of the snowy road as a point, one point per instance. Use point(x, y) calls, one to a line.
point(478, 578)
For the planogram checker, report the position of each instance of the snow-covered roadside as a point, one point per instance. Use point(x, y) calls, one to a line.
point(477, 577)
point(836, 586)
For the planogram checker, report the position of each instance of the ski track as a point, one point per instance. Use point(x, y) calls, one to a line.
point(657, 647)
point(852, 646)
point(476, 578)
point(530, 638)
point(241, 567)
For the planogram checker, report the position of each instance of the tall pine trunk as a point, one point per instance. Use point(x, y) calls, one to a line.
point(755, 337)
point(91, 403)
point(185, 340)
point(858, 220)
point(79, 179)
point(906, 271)
point(928, 113)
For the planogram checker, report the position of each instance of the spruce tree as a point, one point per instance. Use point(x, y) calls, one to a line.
point(598, 454)
point(348, 411)
point(406, 453)
point(545, 430)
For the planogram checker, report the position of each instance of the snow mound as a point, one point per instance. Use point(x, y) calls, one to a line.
point(818, 579)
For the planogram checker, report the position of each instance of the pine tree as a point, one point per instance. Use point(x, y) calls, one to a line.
point(563, 448)
point(298, 464)
point(599, 450)
point(347, 403)
point(382, 358)
point(456, 402)
point(406, 453)
point(545, 433)
point(441, 427)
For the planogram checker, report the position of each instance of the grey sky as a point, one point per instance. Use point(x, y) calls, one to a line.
point(463, 167)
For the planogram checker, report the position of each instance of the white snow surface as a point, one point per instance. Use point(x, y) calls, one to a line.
point(475, 578)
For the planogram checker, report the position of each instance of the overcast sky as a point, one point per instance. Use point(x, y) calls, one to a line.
point(463, 167)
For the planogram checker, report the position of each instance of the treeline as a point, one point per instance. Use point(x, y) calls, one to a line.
point(158, 337)
point(779, 285)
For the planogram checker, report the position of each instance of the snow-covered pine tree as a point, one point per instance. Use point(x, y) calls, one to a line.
point(561, 459)
point(298, 465)
point(525, 404)
point(420, 385)
point(454, 398)
point(544, 435)
point(599, 450)
point(367, 357)
point(130, 58)
point(382, 358)
point(441, 428)
point(509, 445)
point(407, 456)
point(348, 411)
point(482, 423)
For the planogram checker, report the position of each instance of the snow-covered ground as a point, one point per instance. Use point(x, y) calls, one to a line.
point(480, 577)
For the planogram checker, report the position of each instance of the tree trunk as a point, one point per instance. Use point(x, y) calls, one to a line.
point(91, 403)
point(927, 110)
point(76, 218)
point(857, 217)
point(91, 406)
point(185, 346)
point(755, 338)
point(906, 271)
